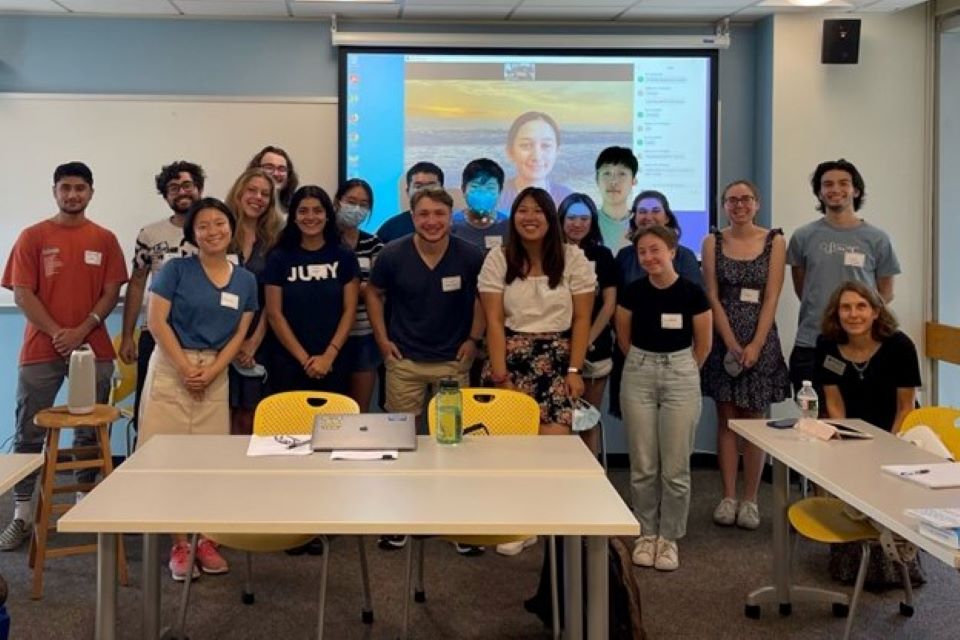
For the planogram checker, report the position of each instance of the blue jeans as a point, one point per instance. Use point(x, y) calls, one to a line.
point(660, 400)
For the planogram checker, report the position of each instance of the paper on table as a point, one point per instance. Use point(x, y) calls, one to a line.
point(364, 455)
point(943, 518)
point(937, 475)
point(283, 445)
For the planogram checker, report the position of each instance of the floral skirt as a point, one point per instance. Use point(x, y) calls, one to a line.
point(537, 365)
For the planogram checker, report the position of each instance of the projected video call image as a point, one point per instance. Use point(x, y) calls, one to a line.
point(544, 119)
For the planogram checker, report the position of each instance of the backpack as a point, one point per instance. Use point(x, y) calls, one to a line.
point(626, 622)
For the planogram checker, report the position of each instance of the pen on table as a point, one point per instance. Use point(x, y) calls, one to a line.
point(918, 472)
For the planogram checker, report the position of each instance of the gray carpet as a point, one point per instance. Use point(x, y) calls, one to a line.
point(481, 597)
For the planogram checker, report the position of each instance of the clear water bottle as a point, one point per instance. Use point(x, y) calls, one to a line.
point(808, 402)
point(449, 416)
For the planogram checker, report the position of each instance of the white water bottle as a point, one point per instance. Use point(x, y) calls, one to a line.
point(82, 380)
point(808, 402)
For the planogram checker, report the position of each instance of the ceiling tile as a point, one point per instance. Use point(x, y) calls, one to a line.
point(546, 13)
point(33, 6)
point(886, 6)
point(352, 9)
point(232, 8)
point(121, 7)
point(490, 12)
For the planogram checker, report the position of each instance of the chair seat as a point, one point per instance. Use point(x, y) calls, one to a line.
point(823, 520)
point(260, 542)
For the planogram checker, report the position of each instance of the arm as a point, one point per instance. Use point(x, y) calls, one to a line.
point(250, 345)
point(35, 312)
point(378, 324)
point(131, 311)
point(885, 288)
point(771, 297)
point(166, 339)
point(281, 328)
point(713, 295)
point(579, 333)
point(468, 349)
point(229, 351)
point(604, 315)
point(320, 365)
point(702, 336)
point(798, 273)
point(66, 340)
point(834, 402)
point(496, 337)
point(906, 401)
point(622, 320)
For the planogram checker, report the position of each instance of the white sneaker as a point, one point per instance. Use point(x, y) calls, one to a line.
point(668, 558)
point(514, 548)
point(644, 549)
point(726, 512)
point(748, 516)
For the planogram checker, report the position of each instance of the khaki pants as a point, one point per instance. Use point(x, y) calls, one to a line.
point(408, 381)
point(167, 407)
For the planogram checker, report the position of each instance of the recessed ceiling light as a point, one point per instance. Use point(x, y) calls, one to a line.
point(809, 3)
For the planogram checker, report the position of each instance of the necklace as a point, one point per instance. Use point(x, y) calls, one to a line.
point(861, 367)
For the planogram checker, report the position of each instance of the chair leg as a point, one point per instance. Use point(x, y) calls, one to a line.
point(858, 587)
point(248, 597)
point(367, 611)
point(408, 587)
point(554, 592)
point(38, 540)
point(419, 594)
point(324, 566)
point(180, 630)
point(603, 446)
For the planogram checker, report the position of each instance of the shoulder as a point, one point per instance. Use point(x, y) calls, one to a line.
point(901, 342)
point(874, 232)
point(625, 253)
point(495, 259)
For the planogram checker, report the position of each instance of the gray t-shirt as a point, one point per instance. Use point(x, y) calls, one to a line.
point(830, 256)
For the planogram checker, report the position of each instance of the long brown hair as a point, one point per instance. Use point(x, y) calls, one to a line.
point(269, 223)
point(551, 255)
point(883, 327)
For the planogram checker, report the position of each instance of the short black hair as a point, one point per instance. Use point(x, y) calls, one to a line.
point(484, 168)
point(424, 167)
point(839, 165)
point(593, 238)
point(75, 169)
point(618, 155)
point(173, 170)
point(291, 237)
point(200, 205)
point(350, 184)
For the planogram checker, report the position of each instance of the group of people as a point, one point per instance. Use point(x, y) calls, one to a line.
point(546, 292)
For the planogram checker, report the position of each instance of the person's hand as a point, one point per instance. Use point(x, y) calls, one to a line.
point(319, 366)
point(467, 351)
point(734, 348)
point(574, 384)
point(128, 350)
point(750, 355)
point(245, 357)
point(390, 350)
point(66, 340)
point(201, 378)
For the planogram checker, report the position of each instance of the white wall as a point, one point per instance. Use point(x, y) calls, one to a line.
point(874, 115)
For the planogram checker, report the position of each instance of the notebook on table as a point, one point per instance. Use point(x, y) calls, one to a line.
point(365, 432)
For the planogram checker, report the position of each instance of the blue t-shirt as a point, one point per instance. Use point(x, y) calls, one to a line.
point(396, 227)
point(202, 315)
point(312, 284)
point(685, 263)
point(491, 237)
point(430, 311)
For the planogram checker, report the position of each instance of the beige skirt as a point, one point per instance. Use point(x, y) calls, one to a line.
point(167, 406)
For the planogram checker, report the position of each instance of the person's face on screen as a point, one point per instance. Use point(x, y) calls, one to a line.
point(181, 193)
point(837, 191)
point(855, 314)
point(255, 197)
point(530, 221)
point(420, 181)
point(482, 195)
point(616, 182)
point(655, 256)
point(534, 151)
point(649, 211)
point(576, 223)
point(72, 194)
point(275, 166)
point(311, 218)
point(431, 220)
point(740, 204)
point(211, 228)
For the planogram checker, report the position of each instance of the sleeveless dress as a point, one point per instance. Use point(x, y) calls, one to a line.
point(768, 380)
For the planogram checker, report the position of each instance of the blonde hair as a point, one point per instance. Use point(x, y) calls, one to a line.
point(269, 223)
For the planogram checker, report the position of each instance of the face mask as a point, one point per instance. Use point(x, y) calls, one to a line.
point(256, 371)
point(482, 201)
point(585, 415)
point(351, 215)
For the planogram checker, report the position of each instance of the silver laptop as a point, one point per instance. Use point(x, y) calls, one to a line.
point(364, 432)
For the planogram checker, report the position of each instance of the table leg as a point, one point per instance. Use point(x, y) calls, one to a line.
point(597, 588)
point(573, 588)
point(151, 586)
point(106, 586)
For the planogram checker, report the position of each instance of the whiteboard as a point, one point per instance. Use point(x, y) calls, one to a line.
point(126, 139)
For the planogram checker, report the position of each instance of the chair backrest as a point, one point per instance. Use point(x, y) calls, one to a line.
point(292, 412)
point(943, 421)
point(503, 411)
point(124, 375)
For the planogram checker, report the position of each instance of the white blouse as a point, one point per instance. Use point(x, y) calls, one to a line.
point(530, 305)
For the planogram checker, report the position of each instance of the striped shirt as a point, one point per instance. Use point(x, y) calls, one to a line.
point(368, 247)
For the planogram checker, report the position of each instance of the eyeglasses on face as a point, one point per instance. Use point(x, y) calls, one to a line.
point(174, 188)
point(274, 168)
point(734, 201)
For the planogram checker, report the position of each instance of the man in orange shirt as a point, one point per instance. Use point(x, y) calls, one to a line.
point(65, 273)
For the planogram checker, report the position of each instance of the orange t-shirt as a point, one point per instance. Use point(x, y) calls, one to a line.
point(67, 268)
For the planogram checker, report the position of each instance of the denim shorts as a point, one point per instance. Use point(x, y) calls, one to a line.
point(360, 353)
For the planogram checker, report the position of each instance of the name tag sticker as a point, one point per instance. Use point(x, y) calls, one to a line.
point(233, 259)
point(834, 365)
point(450, 283)
point(92, 257)
point(750, 295)
point(364, 262)
point(854, 259)
point(492, 242)
point(671, 321)
point(230, 300)
point(167, 257)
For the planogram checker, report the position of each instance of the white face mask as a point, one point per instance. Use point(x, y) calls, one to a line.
point(351, 215)
point(585, 415)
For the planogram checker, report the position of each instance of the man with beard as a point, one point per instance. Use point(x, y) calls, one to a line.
point(180, 184)
point(65, 273)
point(827, 252)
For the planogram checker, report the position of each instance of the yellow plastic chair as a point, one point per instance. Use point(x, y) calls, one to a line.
point(122, 386)
point(289, 413)
point(944, 421)
point(502, 412)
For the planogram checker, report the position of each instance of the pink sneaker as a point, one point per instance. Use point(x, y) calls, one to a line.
point(180, 563)
point(209, 558)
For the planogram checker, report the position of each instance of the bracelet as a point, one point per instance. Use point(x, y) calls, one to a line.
point(475, 340)
point(573, 370)
point(97, 318)
point(334, 346)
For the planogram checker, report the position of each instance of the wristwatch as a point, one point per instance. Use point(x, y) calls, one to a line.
point(573, 370)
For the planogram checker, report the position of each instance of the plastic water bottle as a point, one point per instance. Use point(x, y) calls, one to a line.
point(808, 402)
point(449, 412)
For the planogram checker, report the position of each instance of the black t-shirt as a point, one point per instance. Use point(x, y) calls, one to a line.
point(608, 275)
point(869, 390)
point(662, 320)
point(430, 311)
point(312, 283)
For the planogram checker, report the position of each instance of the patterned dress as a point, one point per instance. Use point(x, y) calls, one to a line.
point(768, 380)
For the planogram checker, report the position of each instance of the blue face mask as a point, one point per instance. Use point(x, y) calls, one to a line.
point(351, 215)
point(482, 201)
point(585, 415)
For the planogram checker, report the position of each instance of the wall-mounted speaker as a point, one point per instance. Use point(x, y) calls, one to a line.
point(841, 42)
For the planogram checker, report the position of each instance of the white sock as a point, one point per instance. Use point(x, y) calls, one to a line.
point(23, 510)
